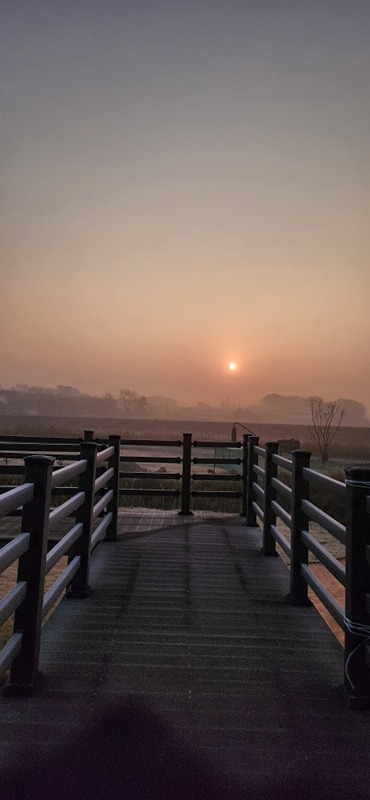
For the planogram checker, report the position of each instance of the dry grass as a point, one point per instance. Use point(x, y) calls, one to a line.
point(338, 592)
point(7, 582)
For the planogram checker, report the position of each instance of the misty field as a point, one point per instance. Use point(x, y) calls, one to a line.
point(351, 443)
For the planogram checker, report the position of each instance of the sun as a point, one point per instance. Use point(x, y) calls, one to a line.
point(232, 366)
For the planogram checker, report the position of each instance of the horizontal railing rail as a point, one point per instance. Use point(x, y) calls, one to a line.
point(152, 442)
point(16, 497)
point(4, 438)
point(146, 476)
point(38, 447)
point(65, 509)
point(103, 479)
point(62, 547)
point(12, 469)
point(282, 462)
point(104, 455)
point(325, 482)
point(212, 445)
point(67, 473)
point(216, 460)
point(152, 459)
point(326, 521)
point(215, 477)
point(13, 550)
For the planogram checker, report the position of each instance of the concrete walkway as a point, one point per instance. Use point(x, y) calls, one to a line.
point(187, 637)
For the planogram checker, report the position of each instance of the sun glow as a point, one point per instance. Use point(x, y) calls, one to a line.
point(232, 366)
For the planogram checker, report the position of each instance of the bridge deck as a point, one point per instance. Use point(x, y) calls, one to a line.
point(191, 621)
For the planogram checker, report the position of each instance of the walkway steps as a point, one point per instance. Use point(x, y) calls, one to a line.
point(192, 621)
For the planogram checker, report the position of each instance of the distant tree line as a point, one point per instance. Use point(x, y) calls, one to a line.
point(300, 409)
point(69, 401)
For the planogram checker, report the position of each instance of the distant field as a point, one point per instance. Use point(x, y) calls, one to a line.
point(350, 443)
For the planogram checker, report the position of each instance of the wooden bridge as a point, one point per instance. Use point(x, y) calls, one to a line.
point(183, 667)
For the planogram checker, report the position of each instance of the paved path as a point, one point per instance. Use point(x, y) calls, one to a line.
point(189, 625)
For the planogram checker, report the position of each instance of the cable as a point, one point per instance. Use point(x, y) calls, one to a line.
point(357, 629)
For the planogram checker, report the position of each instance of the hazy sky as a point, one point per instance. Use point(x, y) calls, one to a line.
point(185, 184)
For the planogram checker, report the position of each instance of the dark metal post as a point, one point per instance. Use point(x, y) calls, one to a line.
point(186, 476)
point(113, 483)
point(244, 474)
point(298, 595)
point(79, 587)
point(24, 675)
point(88, 436)
point(357, 633)
point(253, 441)
point(269, 516)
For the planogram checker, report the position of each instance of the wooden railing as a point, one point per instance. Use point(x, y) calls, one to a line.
point(266, 493)
point(12, 448)
point(274, 491)
point(93, 508)
point(187, 478)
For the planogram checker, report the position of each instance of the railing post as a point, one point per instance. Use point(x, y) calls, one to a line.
point(79, 586)
point(244, 474)
point(251, 520)
point(88, 436)
point(357, 631)
point(298, 595)
point(113, 483)
point(186, 476)
point(24, 675)
point(269, 516)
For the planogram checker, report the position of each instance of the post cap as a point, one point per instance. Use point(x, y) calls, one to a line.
point(357, 476)
point(89, 446)
point(39, 460)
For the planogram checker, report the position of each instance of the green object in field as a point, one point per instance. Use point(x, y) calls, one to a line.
point(230, 452)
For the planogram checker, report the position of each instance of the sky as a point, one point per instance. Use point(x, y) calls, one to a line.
point(186, 184)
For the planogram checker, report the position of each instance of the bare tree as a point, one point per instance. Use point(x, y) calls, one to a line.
point(132, 403)
point(326, 421)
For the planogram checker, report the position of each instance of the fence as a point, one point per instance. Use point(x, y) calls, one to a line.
point(273, 489)
point(270, 498)
point(188, 477)
point(133, 483)
point(93, 507)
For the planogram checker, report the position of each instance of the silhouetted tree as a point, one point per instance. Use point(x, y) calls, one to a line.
point(132, 403)
point(326, 421)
